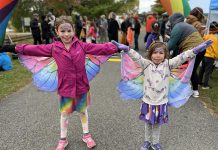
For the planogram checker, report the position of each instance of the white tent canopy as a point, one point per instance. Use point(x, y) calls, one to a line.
point(213, 13)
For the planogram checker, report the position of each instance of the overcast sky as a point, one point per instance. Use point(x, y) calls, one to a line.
point(144, 5)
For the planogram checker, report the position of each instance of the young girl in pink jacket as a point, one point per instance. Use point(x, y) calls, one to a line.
point(73, 87)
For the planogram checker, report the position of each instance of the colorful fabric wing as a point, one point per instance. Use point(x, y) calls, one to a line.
point(131, 85)
point(6, 9)
point(44, 71)
point(172, 6)
point(179, 87)
point(93, 63)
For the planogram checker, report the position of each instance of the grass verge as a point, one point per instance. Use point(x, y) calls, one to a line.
point(14, 79)
point(210, 96)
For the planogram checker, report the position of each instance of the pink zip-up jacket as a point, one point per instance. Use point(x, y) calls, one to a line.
point(72, 78)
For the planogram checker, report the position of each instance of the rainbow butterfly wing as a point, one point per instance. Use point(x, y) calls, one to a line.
point(33, 63)
point(179, 87)
point(130, 86)
point(44, 71)
point(6, 9)
point(93, 63)
point(46, 79)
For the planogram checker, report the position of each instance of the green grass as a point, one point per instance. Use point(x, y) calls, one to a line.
point(13, 80)
point(210, 96)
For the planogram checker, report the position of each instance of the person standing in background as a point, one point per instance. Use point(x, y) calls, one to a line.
point(164, 20)
point(103, 26)
point(113, 27)
point(36, 33)
point(195, 18)
point(78, 26)
point(149, 20)
point(136, 28)
point(184, 36)
point(84, 26)
point(46, 30)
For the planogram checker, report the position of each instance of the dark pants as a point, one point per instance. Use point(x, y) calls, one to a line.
point(136, 36)
point(37, 39)
point(194, 77)
point(206, 70)
point(93, 41)
point(146, 36)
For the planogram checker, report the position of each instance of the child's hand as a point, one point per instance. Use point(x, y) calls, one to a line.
point(202, 46)
point(0, 48)
point(120, 46)
point(7, 48)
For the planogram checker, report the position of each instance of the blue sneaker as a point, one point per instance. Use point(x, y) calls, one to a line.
point(156, 147)
point(146, 145)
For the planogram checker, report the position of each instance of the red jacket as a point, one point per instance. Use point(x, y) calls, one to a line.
point(92, 32)
point(149, 20)
point(72, 78)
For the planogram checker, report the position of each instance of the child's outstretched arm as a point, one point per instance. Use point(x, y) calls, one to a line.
point(43, 50)
point(99, 49)
point(183, 57)
point(136, 57)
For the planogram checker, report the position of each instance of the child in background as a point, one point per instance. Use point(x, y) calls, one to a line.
point(92, 32)
point(69, 54)
point(157, 68)
point(155, 35)
point(210, 56)
point(5, 62)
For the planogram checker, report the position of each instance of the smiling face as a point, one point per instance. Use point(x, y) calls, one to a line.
point(158, 55)
point(65, 32)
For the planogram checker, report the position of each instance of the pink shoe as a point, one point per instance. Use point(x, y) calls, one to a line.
point(62, 144)
point(89, 141)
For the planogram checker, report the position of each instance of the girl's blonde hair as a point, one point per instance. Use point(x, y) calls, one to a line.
point(61, 20)
point(157, 44)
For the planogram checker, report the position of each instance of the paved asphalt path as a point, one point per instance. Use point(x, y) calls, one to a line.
point(29, 120)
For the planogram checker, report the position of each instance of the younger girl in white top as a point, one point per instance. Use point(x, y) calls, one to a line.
point(157, 68)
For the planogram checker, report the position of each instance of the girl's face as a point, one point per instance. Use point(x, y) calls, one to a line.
point(157, 56)
point(65, 32)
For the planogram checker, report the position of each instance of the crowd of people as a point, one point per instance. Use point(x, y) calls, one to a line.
point(170, 42)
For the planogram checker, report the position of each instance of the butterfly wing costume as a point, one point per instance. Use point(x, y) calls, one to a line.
point(130, 86)
point(44, 69)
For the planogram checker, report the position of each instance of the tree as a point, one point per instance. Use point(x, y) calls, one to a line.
point(157, 7)
point(89, 8)
point(25, 8)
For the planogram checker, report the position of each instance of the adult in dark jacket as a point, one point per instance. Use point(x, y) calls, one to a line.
point(184, 37)
point(34, 25)
point(124, 26)
point(46, 29)
point(78, 26)
point(113, 27)
point(136, 28)
point(164, 20)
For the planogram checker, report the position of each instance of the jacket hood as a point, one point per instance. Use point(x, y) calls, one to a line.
point(176, 18)
point(191, 19)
